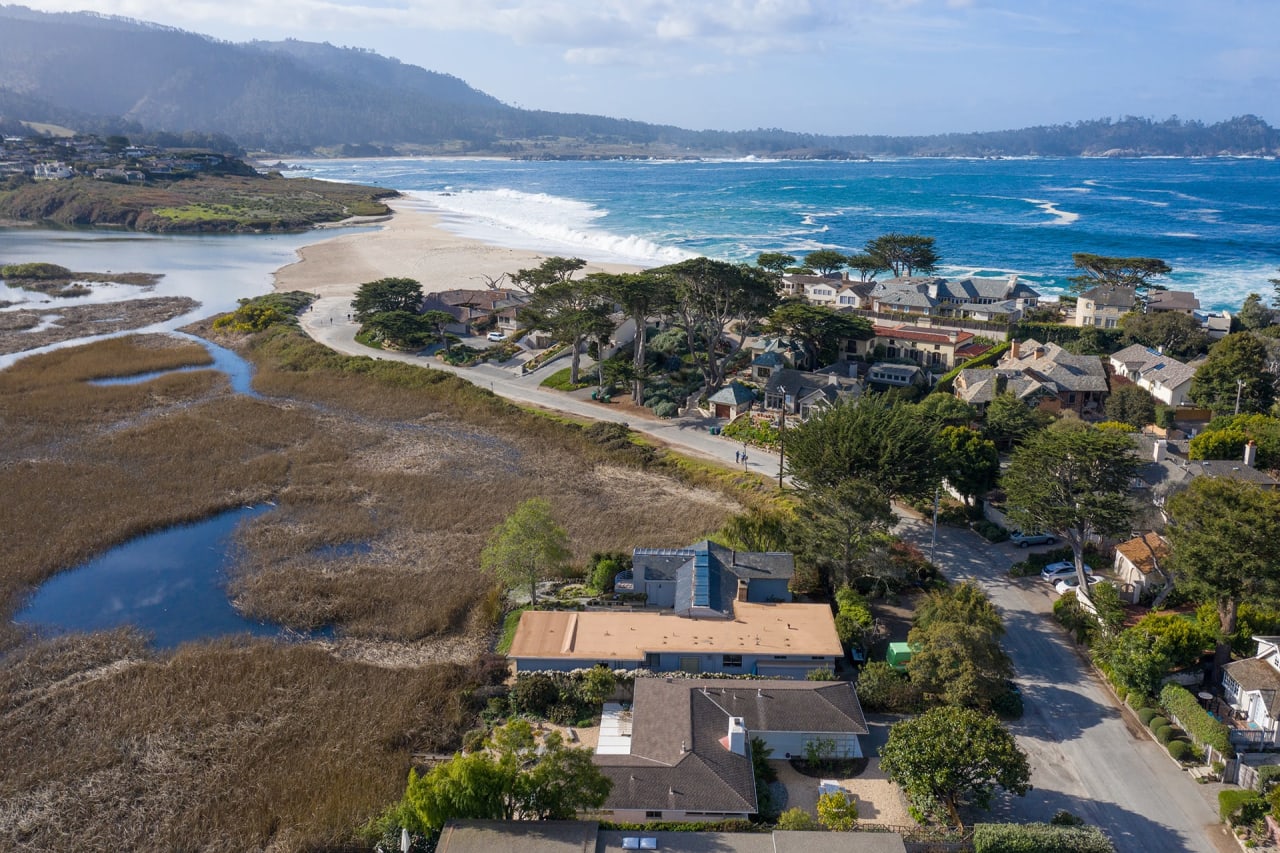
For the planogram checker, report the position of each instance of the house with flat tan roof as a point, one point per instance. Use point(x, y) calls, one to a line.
point(710, 609)
point(782, 640)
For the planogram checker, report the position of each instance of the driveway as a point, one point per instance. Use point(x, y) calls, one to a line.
point(1086, 755)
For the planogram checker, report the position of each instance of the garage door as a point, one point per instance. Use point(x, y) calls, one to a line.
point(782, 670)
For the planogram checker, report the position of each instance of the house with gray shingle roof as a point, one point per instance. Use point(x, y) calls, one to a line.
point(978, 387)
point(1076, 382)
point(1104, 305)
point(803, 393)
point(1165, 378)
point(682, 750)
point(999, 299)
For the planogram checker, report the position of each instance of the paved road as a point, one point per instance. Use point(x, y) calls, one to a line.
point(327, 323)
point(1086, 755)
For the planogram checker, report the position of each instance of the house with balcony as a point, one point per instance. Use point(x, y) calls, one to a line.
point(934, 349)
point(1251, 687)
point(1104, 305)
point(1177, 301)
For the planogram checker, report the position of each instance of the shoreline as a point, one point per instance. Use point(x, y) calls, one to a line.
point(411, 243)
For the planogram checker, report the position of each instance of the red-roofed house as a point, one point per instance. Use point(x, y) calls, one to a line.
point(935, 349)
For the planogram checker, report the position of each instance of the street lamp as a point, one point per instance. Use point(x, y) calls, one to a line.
point(933, 544)
point(1239, 388)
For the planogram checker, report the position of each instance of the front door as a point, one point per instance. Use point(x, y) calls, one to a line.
point(691, 664)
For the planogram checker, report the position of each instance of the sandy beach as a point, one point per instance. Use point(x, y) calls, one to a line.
point(411, 244)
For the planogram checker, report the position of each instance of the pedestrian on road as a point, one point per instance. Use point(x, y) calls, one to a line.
point(737, 456)
point(744, 461)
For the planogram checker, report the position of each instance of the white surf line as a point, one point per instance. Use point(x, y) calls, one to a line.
point(1060, 217)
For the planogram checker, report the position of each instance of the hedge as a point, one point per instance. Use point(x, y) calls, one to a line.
point(1179, 750)
point(1250, 806)
point(1146, 714)
point(1267, 775)
point(989, 357)
point(1039, 838)
point(1157, 723)
point(1167, 734)
point(1203, 728)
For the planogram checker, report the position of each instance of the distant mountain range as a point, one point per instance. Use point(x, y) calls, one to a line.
point(114, 75)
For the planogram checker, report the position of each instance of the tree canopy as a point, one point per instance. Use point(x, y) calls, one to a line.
point(517, 777)
point(825, 261)
point(819, 328)
point(1177, 334)
point(775, 262)
point(903, 254)
point(1237, 358)
point(1072, 480)
point(969, 462)
point(1127, 272)
point(643, 296)
point(866, 264)
point(1254, 314)
point(386, 295)
point(1132, 405)
point(950, 755)
point(708, 298)
point(553, 270)
point(867, 439)
point(1224, 538)
point(956, 655)
point(836, 526)
point(526, 546)
point(573, 312)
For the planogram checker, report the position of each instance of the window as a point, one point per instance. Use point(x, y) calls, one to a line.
point(728, 661)
point(653, 814)
point(652, 660)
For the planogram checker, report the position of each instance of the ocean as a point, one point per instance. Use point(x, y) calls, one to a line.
point(1216, 221)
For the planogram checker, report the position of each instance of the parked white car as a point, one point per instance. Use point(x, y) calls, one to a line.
point(1071, 583)
point(1055, 572)
point(497, 336)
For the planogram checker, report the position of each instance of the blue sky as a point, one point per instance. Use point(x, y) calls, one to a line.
point(822, 66)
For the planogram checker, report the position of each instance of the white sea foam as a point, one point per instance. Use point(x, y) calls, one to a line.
point(540, 221)
point(1060, 217)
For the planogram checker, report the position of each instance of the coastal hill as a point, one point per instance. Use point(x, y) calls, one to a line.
point(298, 97)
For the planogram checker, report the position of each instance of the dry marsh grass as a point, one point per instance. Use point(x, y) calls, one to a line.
point(223, 746)
point(387, 484)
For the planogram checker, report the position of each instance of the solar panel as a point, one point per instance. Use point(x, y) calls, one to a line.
point(702, 578)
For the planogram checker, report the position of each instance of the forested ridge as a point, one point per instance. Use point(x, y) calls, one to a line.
point(297, 97)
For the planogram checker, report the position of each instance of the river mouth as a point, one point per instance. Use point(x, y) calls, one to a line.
point(170, 584)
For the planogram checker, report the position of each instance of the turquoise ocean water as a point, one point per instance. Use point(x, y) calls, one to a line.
point(1216, 220)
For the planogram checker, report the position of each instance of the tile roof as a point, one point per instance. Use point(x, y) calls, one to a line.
point(921, 334)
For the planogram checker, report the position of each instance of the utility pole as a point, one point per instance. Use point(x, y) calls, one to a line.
point(1239, 388)
point(782, 437)
point(933, 545)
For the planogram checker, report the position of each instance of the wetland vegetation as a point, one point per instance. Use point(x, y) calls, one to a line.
point(387, 481)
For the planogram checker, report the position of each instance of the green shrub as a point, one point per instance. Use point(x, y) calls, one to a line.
point(563, 713)
point(797, 820)
point(1267, 776)
point(881, 688)
point(1240, 806)
point(1203, 728)
point(1146, 715)
point(1167, 734)
point(473, 741)
point(1156, 723)
point(1179, 750)
point(534, 694)
point(666, 409)
point(1039, 838)
point(1008, 705)
point(1062, 817)
point(990, 531)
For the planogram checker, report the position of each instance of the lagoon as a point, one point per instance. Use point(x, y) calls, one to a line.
point(170, 584)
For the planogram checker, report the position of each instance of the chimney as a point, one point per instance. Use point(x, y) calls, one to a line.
point(1250, 454)
point(742, 589)
point(1015, 349)
point(1157, 452)
point(736, 740)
